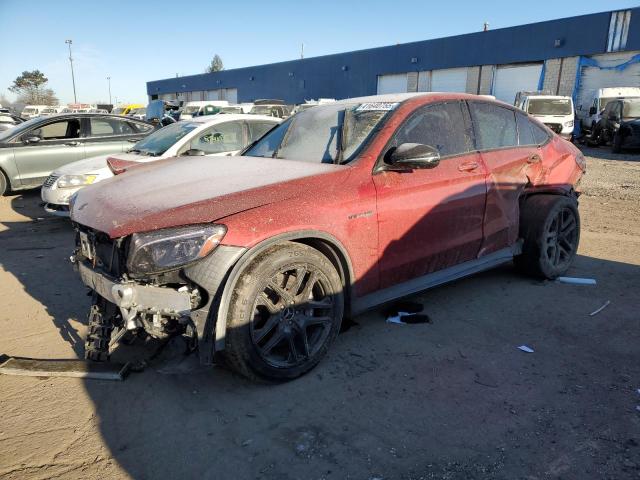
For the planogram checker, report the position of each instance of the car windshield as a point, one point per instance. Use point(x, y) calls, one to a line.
point(117, 111)
point(631, 109)
point(160, 141)
point(550, 106)
point(262, 109)
point(327, 134)
point(191, 109)
point(20, 129)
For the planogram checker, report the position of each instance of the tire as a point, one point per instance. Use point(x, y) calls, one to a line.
point(285, 311)
point(550, 228)
point(4, 184)
point(616, 143)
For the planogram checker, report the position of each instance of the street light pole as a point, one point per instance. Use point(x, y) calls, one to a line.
point(109, 80)
point(73, 78)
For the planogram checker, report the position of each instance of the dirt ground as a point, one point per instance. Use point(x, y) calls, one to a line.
point(454, 399)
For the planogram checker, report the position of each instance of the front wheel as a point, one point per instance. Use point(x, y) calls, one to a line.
point(285, 311)
point(616, 143)
point(4, 184)
point(550, 228)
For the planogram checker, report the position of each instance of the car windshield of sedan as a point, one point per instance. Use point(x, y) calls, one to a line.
point(160, 141)
point(550, 106)
point(325, 134)
point(631, 109)
point(20, 129)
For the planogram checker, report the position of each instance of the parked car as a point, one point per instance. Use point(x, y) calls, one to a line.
point(33, 111)
point(340, 208)
point(274, 108)
point(124, 110)
point(138, 113)
point(47, 112)
point(591, 113)
point(555, 111)
point(193, 109)
point(212, 136)
point(30, 151)
point(8, 121)
point(619, 124)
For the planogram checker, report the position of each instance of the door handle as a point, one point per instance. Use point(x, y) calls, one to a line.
point(535, 158)
point(72, 144)
point(468, 166)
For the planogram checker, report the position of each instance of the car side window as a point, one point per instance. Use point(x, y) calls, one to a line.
point(258, 129)
point(224, 137)
point(494, 126)
point(58, 130)
point(525, 133)
point(441, 126)
point(140, 127)
point(105, 127)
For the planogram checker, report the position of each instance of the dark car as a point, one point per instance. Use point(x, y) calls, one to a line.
point(338, 209)
point(619, 124)
point(30, 151)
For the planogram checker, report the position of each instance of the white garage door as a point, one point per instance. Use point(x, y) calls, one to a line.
point(593, 78)
point(509, 80)
point(449, 80)
point(394, 83)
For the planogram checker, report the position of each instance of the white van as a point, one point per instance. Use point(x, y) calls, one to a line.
point(194, 109)
point(555, 111)
point(602, 96)
point(33, 111)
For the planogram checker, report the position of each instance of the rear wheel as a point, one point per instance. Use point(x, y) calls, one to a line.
point(4, 184)
point(550, 228)
point(616, 143)
point(285, 312)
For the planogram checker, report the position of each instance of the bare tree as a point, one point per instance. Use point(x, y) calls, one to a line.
point(216, 65)
point(30, 88)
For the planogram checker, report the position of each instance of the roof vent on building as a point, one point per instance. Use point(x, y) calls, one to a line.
point(291, 74)
point(345, 68)
point(558, 42)
point(252, 78)
point(414, 59)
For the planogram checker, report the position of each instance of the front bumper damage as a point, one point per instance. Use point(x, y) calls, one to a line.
point(148, 304)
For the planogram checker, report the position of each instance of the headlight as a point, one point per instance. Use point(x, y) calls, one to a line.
point(172, 247)
point(569, 124)
point(69, 181)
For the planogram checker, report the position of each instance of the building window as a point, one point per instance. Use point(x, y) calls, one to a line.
point(618, 30)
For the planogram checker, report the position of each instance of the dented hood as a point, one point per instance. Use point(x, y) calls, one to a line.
point(188, 190)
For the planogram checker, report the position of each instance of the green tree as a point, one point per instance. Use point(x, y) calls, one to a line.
point(216, 64)
point(30, 88)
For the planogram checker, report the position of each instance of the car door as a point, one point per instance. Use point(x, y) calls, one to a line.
point(431, 219)
point(224, 138)
point(46, 147)
point(105, 135)
point(510, 167)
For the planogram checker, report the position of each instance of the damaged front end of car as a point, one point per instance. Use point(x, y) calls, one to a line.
point(161, 283)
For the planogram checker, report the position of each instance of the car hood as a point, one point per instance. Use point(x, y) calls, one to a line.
point(188, 190)
point(95, 164)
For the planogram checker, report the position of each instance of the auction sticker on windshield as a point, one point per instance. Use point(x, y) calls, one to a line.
point(377, 106)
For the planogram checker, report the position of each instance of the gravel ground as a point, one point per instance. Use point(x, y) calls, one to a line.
point(453, 399)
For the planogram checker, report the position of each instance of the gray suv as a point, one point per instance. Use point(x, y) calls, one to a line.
point(32, 150)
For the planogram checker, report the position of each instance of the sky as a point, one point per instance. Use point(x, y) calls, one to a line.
point(136, 41)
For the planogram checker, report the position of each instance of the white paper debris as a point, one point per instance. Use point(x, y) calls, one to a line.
point(524, 348)
point(398, 318)
point(595, 312)
point(576, 280)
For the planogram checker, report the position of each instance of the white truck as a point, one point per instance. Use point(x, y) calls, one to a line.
point(555, 111)
point(33, 111)
point(591, 112)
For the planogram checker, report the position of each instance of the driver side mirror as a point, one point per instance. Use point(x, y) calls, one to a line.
point(194, 152)
point(30, 139)
point(592, 111)
point(410, 156)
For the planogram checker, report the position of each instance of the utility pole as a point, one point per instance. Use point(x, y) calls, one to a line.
point(302, 51)
point(73, 78)
point(109, 80)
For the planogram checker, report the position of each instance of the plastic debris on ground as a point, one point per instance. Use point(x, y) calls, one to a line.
point(597, 311)
point(576, 280)
point(406, 313)
point(524, 348)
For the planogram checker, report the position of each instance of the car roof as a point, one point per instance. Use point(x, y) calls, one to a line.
point(227, 117)
point(90, 115)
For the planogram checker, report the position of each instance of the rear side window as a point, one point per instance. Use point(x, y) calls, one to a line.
point(525, 133)
point(495, 126)
point(258, 129)
point(58, 130)
point(441, 126)
point(103, 127)
point(224, 137)
point(540, 135)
